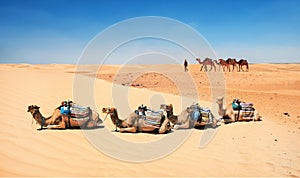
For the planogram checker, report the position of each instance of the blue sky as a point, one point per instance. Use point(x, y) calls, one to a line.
point(57, 31)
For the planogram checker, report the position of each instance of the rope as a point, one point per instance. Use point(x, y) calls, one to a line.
point(105, 117)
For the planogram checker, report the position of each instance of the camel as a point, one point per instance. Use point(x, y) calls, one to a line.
point(60, 121)
point(232, 62)
point(184, 120)
point(205, 63)
point(135, 123)
point(241, 63)
point(224, 64)
point(229, 115)
point(217, 64)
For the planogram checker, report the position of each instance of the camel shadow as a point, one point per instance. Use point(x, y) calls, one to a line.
point(155, 132)
point(72, 128)
point(203, 127)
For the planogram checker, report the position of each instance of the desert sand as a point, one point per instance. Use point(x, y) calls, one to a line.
point(267, 148)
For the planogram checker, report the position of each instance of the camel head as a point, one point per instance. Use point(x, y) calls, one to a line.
point(108, 110)
point(163, 106)
point(198, 59)
point(220, 100)
point(189, 109)
point(166, 107)
point(33, 109)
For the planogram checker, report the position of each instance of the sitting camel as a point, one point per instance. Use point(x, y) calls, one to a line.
point(185, 120)
point(136, 123)
point(60, 121)
point(229, 115)
point(205, 63)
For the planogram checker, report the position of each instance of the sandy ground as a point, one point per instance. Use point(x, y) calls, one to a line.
point(267, 148)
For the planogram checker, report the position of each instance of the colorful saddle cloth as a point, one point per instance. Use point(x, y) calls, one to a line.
point(153, 118)
point(247, 111)
point(79, 112)
point(201, 113)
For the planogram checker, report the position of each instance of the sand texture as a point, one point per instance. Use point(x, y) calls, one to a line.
point(267, 148)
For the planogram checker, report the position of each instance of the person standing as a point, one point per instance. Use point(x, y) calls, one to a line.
point(185, 65)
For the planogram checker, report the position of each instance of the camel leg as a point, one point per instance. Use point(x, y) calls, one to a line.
point(148, 128)
point(186, 125)
point(241, 68)
point(205, 68)
point(91, 124)
point(232, 117)
point(129, 129)
point(164, 127)
point(201, 67)
point(62, 125)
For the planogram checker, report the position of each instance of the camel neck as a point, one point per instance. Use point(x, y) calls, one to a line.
point(221, 110)
point(40, 119)
point(115, 118)
point(171, 116)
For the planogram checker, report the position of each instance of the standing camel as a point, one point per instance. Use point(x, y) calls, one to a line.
point(205, 63)
point(217, 63)
point(241, 63)
point(232, 62)
point(135, 123)
point(60, 121)
point(229, 115)
point(184, 120)
point(224, 64)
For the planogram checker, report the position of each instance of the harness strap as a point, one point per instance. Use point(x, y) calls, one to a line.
point(105, 117)
point(69, 121)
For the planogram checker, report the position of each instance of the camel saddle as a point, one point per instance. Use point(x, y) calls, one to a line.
point(78, 112)
point(247, 111)
point(200, 114)
point(153, 118)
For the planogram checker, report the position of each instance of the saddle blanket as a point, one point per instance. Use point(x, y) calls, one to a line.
point(198, 111)
point(247, 105)
point(79, 112)
point(153, 118)
point(247, 113)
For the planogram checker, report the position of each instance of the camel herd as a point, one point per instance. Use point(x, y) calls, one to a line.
point(143, 119)
point(225, 64)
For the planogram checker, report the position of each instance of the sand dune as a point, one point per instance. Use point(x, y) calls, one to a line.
point(267, 148)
